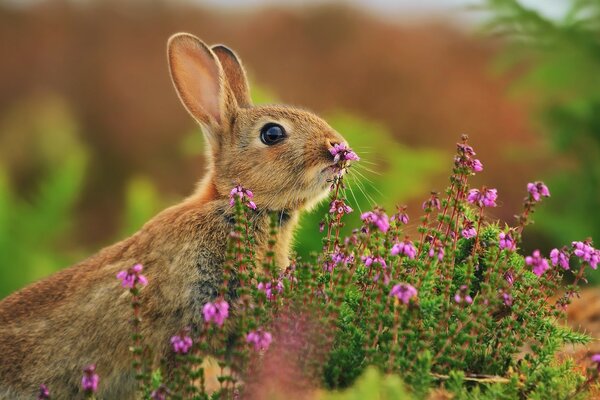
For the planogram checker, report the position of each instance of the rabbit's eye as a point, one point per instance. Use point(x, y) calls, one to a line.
point(271, 134)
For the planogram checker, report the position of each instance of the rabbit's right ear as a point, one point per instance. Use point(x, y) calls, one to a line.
point(198, 79)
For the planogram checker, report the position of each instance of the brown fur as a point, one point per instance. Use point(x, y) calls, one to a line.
point(50, 330)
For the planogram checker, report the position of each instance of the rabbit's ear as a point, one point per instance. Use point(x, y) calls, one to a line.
point(198, 78)
point(235, 75)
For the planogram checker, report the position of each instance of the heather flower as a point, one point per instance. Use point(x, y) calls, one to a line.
point(131, 277)
point(483, 198)
point(216, 312)
point(370, 260)
point(436, 250)
point(537, 190)
point(539, 264)
point(339, 207)
point(401, 216)
point(321, 226)
point(507, 299)
point(596, 359)
point(271, 289)
point(432, 202)
point(403, 292)
point(377, 218)
point(559, 257)
point(586, 252)
point(510, 278)
point(160, 393)
point(341, 152)
point(465, 149)
point(405, 247)
point(90, 379)
point(181, 343)
point(260, 339)
point(468, 231)
point(44, 393)
point(476, 165)
point(242, 193)
point(463, 296)
point(506, 242)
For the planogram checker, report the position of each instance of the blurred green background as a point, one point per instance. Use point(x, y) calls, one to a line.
point(94, 142)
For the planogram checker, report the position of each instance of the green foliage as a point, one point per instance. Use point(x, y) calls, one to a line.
point(372, 385)
point(561, 58)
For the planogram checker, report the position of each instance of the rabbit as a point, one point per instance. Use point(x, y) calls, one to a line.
point(52, 329)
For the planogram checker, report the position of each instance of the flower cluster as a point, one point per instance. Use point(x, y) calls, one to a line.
point(260, 339)
point(406, 247)
point(341, 153)
point(465, 158)
point(270, 289)
point(244, 195)
point(370, 260)
point(339, 207)
point(216, 312)
point(537, 190)
point(90, 380)
point(559, 257)
point(377, 218)
point(587, 253)
point(483, 198)
point(506, 241)
point(403, 292)
point(132, 277)
point(539, 263)
point(181, 343)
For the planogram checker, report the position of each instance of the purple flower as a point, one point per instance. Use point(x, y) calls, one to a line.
point(507, 299)
point(131, 277)
point(243, 194)
point(181, 343)
point(438, 250)
point(405, 247)
point(370, 260)
point(587, 253)
point(403, 292)
point(537, 190)
point(160, 393)
point(476, 165)
point(341, 152)
point(432, 202)
point(339, 207)
point(271, 289)
point(216, 312)
point(468, 232)
point(484, 198)
point(539, 263)
point(465, 149)
point(260, 339)
point(506, 242)
point(463, 296)
point(377, 218)
point(90, 379)
point(510, 278)
point(596, 359)
point(559, 257)
point(44, 393)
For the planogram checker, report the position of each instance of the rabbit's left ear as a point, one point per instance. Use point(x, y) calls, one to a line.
point(235, 75)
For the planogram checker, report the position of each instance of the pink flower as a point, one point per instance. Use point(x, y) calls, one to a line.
point(339, 207)
point(510, 278)
point(181, 343)
point(377, 218)
point(131, 277)
point(432, 202)
point(463, 296)
point(370, 260)
point(270, 289)
point(44, 393)
point(539, 264)
point(260, 339)
point(587, 253)
point(469, 232)
point(436, 250)
point(476, 165)
point(341, 152)
point(507, 299)
point(506, 242)
point(245, 196)
point(483, 198)
point(537, 190)
point(90, 379)
point(405, 247)
point(216, 312)
point(596, 359)
point(160, 393)
point(558, 257)
point(403, 292)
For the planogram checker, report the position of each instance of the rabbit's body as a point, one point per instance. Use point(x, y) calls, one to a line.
point(79, 316)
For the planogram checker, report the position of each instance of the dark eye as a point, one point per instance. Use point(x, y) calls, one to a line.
point(271, 134)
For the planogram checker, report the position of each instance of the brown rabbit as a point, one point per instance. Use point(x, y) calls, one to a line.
point(50, 330)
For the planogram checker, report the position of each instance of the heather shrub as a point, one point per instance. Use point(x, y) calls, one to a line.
point(453, 310)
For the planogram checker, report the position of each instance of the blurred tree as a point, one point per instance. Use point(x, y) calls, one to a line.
point(561, 60)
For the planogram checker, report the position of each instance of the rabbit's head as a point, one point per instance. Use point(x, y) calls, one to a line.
point(279, 152)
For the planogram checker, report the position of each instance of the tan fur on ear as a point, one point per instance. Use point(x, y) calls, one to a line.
point(234, 74)
point(198, 78)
